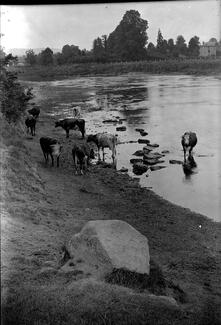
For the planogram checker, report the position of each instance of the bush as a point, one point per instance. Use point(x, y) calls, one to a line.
point(14, 99)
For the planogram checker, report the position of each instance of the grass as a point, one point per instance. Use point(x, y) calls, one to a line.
point(189, 66)
point(86, 302)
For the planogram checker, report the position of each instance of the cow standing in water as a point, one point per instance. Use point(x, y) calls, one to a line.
point(104, 140)
point(189, 140)
point(70, 124)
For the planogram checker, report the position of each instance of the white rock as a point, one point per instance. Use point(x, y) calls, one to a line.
point(107, 244)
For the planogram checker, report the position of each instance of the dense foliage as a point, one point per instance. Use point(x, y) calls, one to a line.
point(13, 96)
point(127, 42)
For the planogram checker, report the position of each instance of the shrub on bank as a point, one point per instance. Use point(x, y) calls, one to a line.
point(14, 98)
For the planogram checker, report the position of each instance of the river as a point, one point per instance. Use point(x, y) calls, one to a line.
point(165, 106)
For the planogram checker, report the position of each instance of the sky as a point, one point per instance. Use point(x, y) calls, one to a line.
point(41, 26)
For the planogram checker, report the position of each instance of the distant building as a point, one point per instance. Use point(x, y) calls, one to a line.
point(210, 49)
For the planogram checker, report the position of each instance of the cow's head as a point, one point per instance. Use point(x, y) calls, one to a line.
point(186, 138)
point(91, 138)
point(56, 149)
point(57, 123)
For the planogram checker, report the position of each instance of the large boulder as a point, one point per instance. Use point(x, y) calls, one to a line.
point(104, 245)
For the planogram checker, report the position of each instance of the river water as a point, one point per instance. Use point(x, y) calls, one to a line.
point(165, 106)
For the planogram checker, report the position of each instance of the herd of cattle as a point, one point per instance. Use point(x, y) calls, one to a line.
point(81, 152)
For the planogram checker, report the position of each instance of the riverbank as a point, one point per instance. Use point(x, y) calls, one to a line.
point(44, 206)
point(186, 66)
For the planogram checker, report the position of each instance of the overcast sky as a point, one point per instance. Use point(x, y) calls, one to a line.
point(54, 26)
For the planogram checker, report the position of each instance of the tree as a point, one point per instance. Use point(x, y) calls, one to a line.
point(13, 96)
point(151, 47)
point(70, 53)
point(162, 45)
point(194, 46)
point(180, 47)
point(46, 57)
point(127, 42)
point(98, 49)
point(31, 58)
point(171, 47)
point(159, 40)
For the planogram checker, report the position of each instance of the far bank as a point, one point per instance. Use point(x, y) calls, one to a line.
point(52, 72)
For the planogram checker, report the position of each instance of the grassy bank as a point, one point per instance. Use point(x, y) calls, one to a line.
point(42, 207)
point(188, 66)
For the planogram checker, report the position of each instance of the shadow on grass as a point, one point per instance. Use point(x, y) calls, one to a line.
point(154, 282)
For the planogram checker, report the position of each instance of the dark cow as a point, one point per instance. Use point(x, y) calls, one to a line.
point(30, 123)
point(82, 153)
point(52, 147)
point(34, 111)
point(70, 123)
point(188, 141)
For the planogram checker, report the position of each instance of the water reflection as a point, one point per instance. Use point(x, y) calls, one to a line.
point(189, 167)
point(121, 94)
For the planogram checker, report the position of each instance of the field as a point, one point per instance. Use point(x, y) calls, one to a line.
point(190, 66)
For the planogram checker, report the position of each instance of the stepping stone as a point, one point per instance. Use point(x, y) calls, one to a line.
point(153, 168)
point(121, 128)
point(174, 161)
point(143, 141)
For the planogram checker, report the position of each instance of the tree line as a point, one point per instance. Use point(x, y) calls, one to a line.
point(128, 42)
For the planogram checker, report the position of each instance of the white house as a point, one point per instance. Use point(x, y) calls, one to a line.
point(209, 49)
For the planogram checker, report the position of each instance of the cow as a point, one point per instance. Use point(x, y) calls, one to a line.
point(77, 112)
point(34, 111)
point(70, 123)
point(104, 140)
point(52, 147)
point(188, 141)
point(30, 123)
point(82, 153)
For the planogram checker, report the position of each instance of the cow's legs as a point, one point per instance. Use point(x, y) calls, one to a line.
point(52, 160)
point(99, 157)
point(45, 157)
point(184, 153)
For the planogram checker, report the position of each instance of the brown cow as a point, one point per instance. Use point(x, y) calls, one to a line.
point(82, 153)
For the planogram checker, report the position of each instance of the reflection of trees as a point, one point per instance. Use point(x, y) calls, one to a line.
point(114, 97)
point(135, 116)
point(130, 100)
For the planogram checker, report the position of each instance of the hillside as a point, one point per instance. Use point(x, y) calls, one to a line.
point(42, 207)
